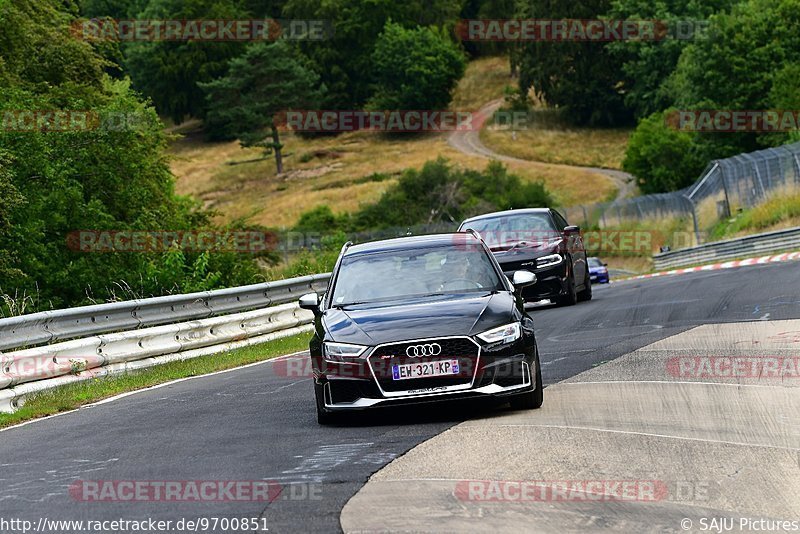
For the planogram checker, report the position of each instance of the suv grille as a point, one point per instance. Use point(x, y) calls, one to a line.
point(462, 349)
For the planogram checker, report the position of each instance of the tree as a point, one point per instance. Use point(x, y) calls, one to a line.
point(344, 62)
point(414, 68)
point(265, 80)
point(579, 77)
point(108, 175)
point(662, 158)
point(647, 64)
point(746, 62)
point(168, 72)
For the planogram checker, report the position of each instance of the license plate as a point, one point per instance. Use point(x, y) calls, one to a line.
point(424, 369)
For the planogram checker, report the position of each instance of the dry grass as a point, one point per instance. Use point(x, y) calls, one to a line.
point(576, 146)
point(484, 80)
point(335, 174)
point(336, 170)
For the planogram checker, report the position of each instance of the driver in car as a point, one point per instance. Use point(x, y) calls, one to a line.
point(456, 271)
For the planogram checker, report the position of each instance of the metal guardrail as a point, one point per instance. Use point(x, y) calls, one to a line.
point(114, 338)
point(49, 326)
point(778, 241)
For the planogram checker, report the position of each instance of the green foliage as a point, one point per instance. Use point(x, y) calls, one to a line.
point(265, 80)
point(783, 207)
point(749, 61)
point(580, 77)
point(438, 194)
point(115, 9)
point(415, 68)
point(321, 218)
point(168, 72)
point(112, 177)
point(345, 61)
point(647, 64)
point(662, 158)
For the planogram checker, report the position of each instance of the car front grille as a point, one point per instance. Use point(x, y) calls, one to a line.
point(461, 348)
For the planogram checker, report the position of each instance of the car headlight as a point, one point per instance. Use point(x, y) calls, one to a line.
point(503, 334)
point(549, 260)
point(340, 352)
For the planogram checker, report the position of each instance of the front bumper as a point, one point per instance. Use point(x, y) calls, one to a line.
point(505, 371)
point(551, 282)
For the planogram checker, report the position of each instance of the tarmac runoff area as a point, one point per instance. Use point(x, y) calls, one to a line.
point(699, 427)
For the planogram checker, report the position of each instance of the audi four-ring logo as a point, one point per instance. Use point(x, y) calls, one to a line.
point(430, 349)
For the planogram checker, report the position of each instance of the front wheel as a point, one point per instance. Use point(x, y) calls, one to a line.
point(530, 400)
point(571, 298)
point(586, 294)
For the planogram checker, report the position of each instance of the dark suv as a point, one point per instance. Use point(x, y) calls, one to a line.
point(421, 319)
point(539, 240)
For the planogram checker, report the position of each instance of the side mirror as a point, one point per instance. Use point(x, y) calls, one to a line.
point(572, 229)
point(605, 264)
point(523, 279)
point(310, 301)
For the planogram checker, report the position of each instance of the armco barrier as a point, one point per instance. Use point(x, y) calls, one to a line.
point(200, 323)
point(50, 326)
point(779, 241)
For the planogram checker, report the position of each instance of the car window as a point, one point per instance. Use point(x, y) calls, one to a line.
point(535, 227)
point(594, 262)
point(561, 222)
point(404, 273)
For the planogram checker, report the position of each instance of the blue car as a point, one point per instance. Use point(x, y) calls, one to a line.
point(598, 272)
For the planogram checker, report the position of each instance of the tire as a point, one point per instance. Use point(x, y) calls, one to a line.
point(530, 400)
point(571, 298)
point(586, 294)
point(324, 417)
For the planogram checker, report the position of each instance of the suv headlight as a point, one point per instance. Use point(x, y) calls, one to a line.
point(502, 334)
point(549, 260)
point(341, 352)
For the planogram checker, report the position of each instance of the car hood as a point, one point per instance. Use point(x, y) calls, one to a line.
point(515, 258)
point(440, 316)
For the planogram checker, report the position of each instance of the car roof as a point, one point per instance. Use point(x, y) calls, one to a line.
point(496, 214)
point(411, 242)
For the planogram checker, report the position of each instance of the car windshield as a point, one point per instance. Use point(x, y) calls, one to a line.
point(405, 273)
point(530, 227)
point(594, 262)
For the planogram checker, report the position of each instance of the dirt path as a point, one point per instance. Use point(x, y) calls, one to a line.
point(470, 143)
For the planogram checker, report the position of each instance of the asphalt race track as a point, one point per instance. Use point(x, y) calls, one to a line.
point(259, 424)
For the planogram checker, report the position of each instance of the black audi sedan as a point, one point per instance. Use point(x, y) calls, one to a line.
point(421, 319)
point(539, 240)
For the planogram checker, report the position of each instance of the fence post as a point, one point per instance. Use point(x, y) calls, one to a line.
point(694, 220)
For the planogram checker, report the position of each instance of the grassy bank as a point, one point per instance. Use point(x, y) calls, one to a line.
point(777, 213)
point(78, 394)
point(348, 170)
point(556, 143)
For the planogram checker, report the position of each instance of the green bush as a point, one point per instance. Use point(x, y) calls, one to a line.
point(414, 69)
point(663, 159)
point(438, 194)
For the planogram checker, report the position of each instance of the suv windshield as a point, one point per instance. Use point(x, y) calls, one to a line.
point(404, 273)
point(534, 227)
